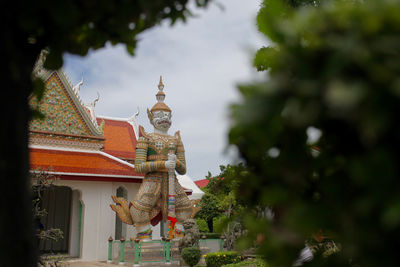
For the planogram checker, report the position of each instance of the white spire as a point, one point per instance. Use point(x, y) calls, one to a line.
point(77, 87)
point(160, 96)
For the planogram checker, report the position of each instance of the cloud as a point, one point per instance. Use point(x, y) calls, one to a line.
point(201, 63)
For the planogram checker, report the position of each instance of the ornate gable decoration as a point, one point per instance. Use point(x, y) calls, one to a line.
point(64, 111)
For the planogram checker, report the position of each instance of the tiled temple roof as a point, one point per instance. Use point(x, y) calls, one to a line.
point(82, 163)
point(202, 183)
point(120, 137)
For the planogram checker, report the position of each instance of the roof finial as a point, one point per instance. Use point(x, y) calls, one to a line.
point(160, 96)
point(96, 100)
point(160, 84)
point(77, 87)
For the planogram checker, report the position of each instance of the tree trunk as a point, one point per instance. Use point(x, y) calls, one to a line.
point(17, 246)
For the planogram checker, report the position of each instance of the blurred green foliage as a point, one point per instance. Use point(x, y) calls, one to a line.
point(220, 224)
point(320, 136)
point(325, 247)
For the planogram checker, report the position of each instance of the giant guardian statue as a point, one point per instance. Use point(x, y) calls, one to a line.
point(160, 197)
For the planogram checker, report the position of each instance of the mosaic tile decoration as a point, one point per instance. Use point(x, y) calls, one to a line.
point(61, 116)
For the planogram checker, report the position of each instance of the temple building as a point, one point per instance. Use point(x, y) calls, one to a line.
point(93, 159)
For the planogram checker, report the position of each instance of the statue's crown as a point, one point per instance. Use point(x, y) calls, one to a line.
point(160, 96)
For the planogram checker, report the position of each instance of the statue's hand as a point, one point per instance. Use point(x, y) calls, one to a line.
point(171, 162)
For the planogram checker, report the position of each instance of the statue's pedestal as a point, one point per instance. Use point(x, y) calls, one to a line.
point(152, 251)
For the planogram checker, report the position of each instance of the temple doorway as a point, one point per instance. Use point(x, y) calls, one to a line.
point(64, 211)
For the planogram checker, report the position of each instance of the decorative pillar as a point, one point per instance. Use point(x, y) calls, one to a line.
point(110, 242)
point(122, 251)
point(168, 250)
point(137, 254)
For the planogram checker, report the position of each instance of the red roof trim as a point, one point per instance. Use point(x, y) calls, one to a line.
point(113, 122)
point(85, 170)
point(202, 183)
point(98, 179)
point(67, 135)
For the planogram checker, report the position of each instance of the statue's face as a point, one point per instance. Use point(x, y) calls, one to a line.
point(161, 120)
point(188, 224)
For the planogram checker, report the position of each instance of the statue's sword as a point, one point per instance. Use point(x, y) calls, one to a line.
point(171, 194)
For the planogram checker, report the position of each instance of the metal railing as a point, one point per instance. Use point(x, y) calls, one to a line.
point(162, 251)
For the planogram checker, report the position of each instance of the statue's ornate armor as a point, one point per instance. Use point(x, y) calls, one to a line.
point(151, 202)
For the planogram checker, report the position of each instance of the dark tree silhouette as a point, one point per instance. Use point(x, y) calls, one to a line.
point(61, 26)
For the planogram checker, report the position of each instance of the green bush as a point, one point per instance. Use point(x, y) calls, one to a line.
point(210, 235)
point(220, 224)
point(191, 255)
point(217, 259)
point(252, 263)
point(203, 227)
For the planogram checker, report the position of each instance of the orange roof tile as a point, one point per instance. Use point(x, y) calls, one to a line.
point(120, 138)
point(79, 162)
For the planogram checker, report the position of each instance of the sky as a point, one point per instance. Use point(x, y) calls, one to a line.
point(201, 61)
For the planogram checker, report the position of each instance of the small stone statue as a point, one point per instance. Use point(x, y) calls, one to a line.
point(191, 235)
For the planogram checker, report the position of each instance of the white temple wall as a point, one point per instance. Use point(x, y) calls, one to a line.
point(74, 239)
point(98, 220)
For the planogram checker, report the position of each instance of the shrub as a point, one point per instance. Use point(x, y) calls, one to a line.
point(210, 235)
point(191, 255)
point(203, 227)
point(220, 224)
point(217, 259)
point(248, 263)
